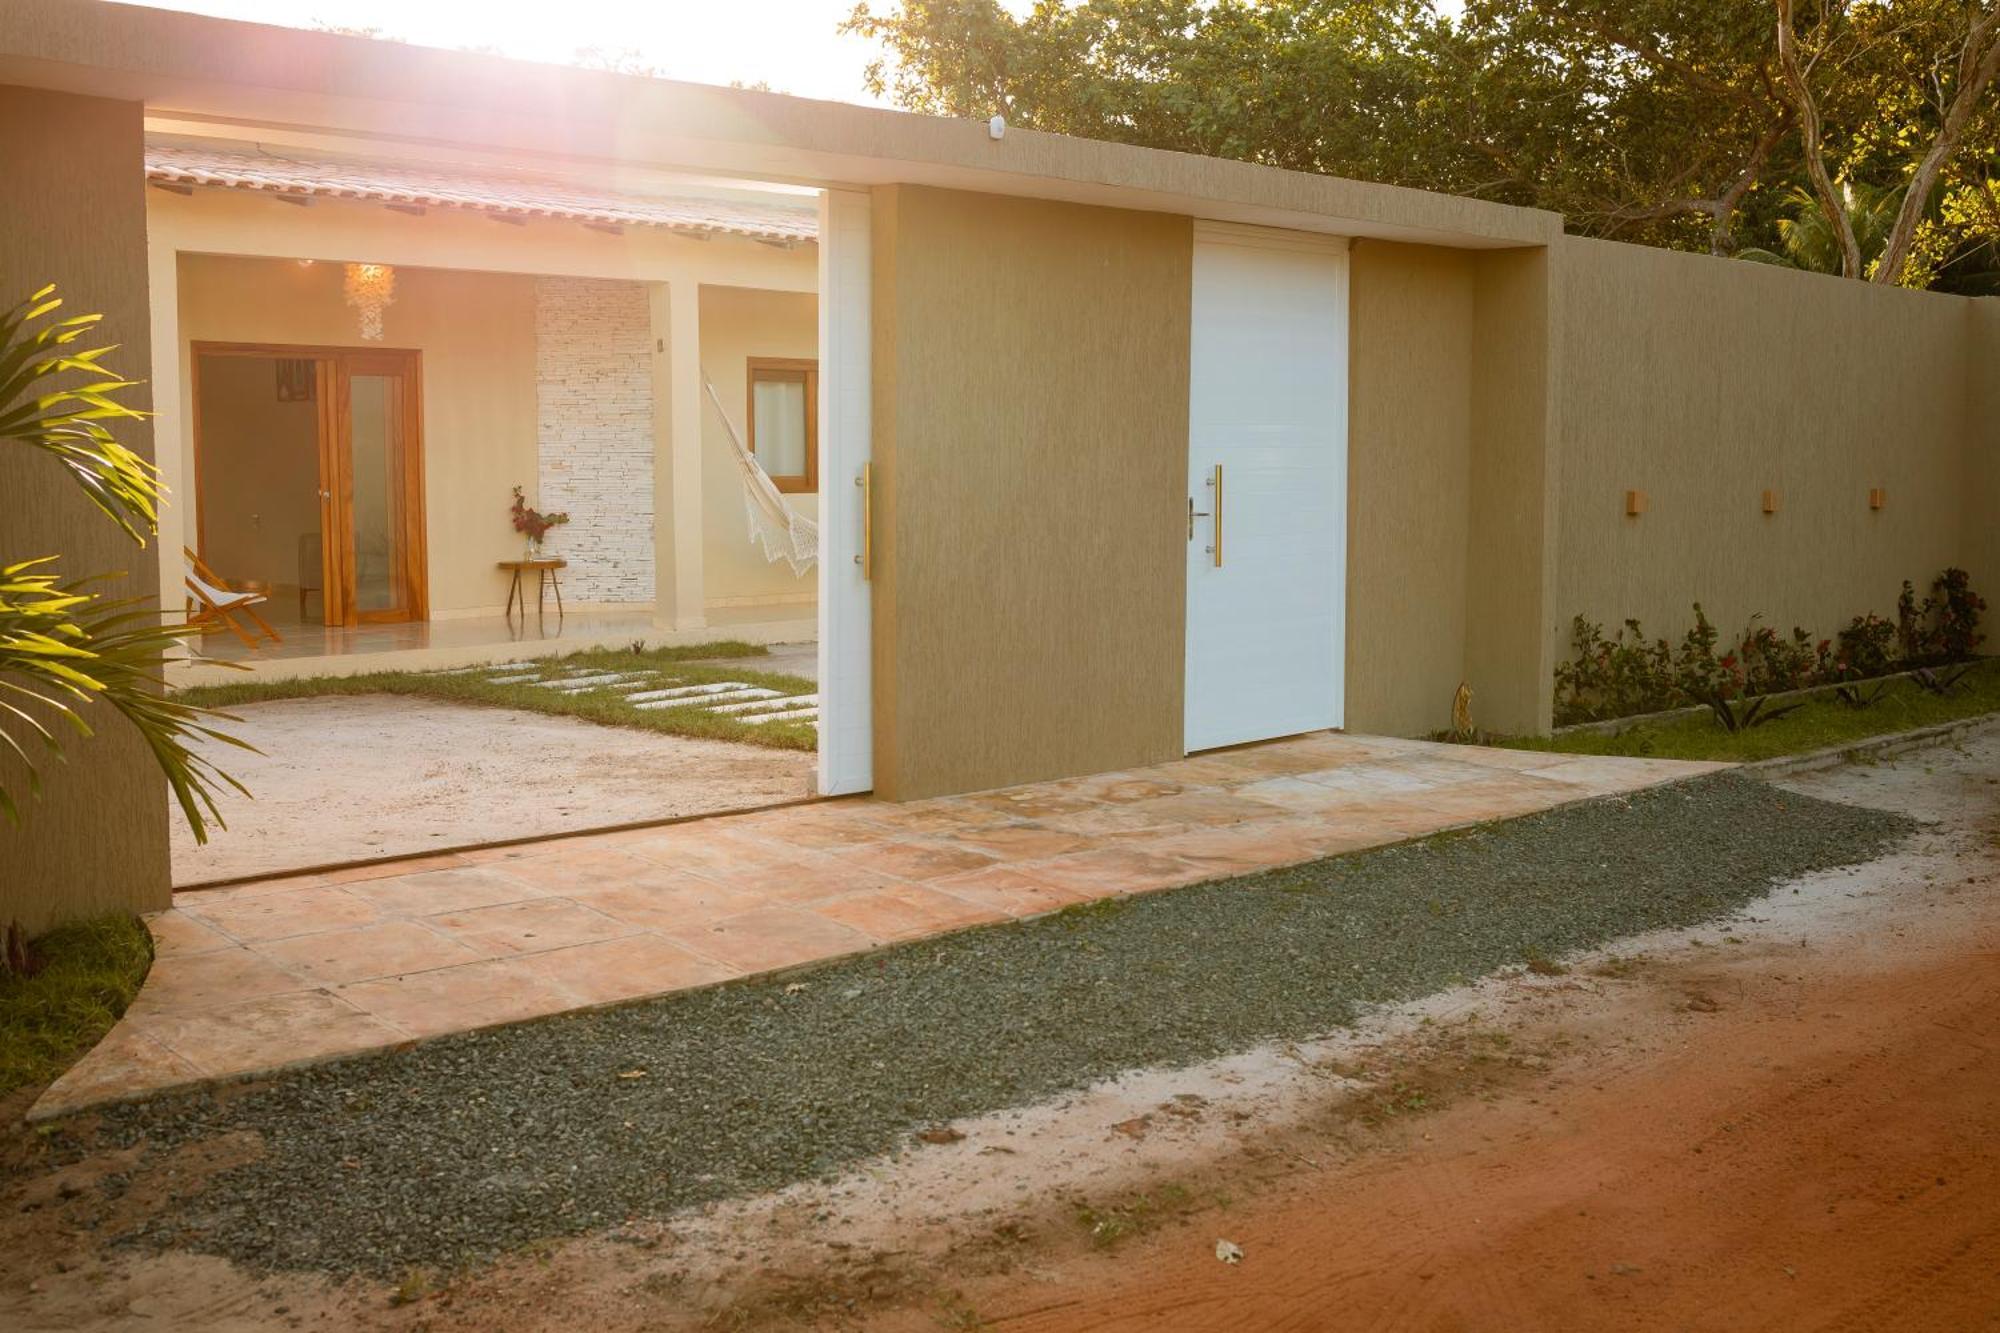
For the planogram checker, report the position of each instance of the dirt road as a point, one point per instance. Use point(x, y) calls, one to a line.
point(1796, 1132)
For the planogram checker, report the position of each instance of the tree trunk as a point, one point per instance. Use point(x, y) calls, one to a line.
point(1829, 195)
point(1978, 61)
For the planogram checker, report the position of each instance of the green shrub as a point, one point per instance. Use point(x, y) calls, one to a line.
point(1628, 675)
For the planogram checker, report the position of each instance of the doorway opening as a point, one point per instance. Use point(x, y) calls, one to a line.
point(309, 479)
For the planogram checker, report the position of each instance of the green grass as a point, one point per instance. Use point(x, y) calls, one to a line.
point(1822, 722)
point(88, 973)
point(606, 709)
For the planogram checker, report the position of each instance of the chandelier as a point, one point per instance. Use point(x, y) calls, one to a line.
point(369, 288)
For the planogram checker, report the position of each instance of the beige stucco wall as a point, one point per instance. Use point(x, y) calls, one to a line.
point(738, 323)
point(75, 215)
point(1409, 448)
point(1703, 382)
point(1982, 491)
point(476, 333)
point(1030, 403)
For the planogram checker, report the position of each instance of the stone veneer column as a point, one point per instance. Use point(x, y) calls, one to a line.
point(594, 433)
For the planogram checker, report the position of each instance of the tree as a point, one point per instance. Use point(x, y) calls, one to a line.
point(1669, 122)
point(63, 648)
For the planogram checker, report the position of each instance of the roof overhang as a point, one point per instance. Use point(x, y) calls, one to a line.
point(246, 75)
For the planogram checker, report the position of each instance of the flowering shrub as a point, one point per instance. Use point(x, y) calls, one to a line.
point(1630, 674)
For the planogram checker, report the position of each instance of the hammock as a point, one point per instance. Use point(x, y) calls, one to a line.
point(784, 535)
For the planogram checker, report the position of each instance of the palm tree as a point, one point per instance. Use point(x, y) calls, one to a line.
point(64, 648)
point(1807, 239)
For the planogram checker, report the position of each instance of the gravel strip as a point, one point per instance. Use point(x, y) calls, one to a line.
point(464, 1148)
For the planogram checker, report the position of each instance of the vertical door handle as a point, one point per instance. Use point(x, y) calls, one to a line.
point(1215, 482)
point(866, 481)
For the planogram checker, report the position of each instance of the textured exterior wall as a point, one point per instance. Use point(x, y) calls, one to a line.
point(1030, 402)
point(1409, 478)
point(738, 323)
point(75, 215)
point(1704, 382)
point(477, 335)
point(1515, 407)
point(1982, 491)
point(594, 429)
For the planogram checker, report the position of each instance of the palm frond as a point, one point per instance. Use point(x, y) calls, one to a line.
point(68, 421)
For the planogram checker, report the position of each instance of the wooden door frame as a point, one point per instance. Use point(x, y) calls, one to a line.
point(332, 366)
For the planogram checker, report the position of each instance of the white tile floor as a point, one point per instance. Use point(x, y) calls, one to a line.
point(316, 650)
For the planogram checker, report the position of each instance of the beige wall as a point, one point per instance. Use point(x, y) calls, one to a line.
point(1982, 492)
point(476, 333)
point(1516, 387)
point(75, 215)
point(738, 323)
point(1030, 402)
point(1703, 382)
point(1409, 482)
point(259, 473)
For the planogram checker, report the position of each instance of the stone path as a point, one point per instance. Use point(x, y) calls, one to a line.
point(650, 690)
point(287, 972)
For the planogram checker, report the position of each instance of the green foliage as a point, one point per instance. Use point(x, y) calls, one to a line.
point(63, 647)
point(1658, 121)
point(1823, 722)
point(78, 980)
point(1625, 676)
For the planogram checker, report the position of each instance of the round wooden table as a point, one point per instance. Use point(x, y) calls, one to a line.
point(545, 578)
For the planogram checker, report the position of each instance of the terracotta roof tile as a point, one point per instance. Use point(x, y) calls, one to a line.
point(508, 195)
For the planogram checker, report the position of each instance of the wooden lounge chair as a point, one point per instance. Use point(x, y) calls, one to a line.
point(212, 603)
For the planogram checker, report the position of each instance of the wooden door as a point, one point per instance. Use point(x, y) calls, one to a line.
point(372, 462)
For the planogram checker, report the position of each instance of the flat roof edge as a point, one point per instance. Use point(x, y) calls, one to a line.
point(190, 65)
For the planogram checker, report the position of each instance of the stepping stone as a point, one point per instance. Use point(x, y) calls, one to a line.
point(788, 715)
point(684, 691)
point(590, 684)
point(783, 701)
point(703, 700)
point(532, 678)
point(585, 682)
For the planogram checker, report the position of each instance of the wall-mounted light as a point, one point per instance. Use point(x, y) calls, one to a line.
point(1635, 503)
point(1770, 502)
point(1877, 497)
point(370, 289)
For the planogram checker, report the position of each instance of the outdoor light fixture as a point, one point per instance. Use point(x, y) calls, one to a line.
point(1877, 497)
point(1635, 503)
point(370, 289)
point(1770, 502)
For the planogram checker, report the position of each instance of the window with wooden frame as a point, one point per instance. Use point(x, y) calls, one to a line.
point(784, 420)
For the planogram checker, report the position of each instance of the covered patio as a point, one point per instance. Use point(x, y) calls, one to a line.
point(363, 357)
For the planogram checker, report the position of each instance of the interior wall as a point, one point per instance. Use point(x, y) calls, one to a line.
point(476, 332)
point(96, 839)
point(1030, 373)
point(738, 323)
point(1703, 382)
point(259, 474)
point(1409, 476)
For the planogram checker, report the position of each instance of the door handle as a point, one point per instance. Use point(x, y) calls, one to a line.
point(1215, 484)
point(866, 481)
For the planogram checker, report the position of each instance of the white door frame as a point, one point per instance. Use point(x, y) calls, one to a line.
point(846, 665)
point(1199, 733)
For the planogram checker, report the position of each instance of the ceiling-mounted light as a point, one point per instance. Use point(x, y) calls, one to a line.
point(370, 289)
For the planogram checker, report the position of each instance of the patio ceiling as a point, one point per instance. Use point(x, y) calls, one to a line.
point(506, 197)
